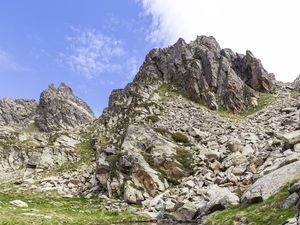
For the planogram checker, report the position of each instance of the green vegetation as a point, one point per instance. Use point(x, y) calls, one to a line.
point(153, 118)
point(113, 163)
point(167, 91)
point(85, 150)
point(180, 137)
point(185, 157)
point(162, 131)
point(31, 128)
point(264, 100)
point(27, 145)
point(294, 93)
point(58, 211)
point(268, 212)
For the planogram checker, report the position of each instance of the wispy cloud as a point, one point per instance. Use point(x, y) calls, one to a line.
point(8, 63)
point(92, 53)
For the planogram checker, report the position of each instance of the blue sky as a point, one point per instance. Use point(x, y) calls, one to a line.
point(95, 46)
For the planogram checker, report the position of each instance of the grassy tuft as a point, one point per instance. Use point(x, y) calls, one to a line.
point(185, 157)
point(152, 118)
point(180, 137)
point(162, 131)
point(167, 92)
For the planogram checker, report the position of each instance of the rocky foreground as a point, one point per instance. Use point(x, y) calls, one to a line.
point(200, 130)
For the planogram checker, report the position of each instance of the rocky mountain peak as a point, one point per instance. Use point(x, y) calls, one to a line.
point(59, 108)
point(208, 74)
point(64, 89)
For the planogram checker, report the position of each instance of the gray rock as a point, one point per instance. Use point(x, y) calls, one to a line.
point(292, 221)
point(219, 199)
point(19, 203)
point(290, 201)
point(186, 212)
point(132, 195)
point(291, 138)
point(294, 187)
point(271, 183)
point(297, 147)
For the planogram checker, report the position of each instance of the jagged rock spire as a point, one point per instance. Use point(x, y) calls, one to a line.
point(59, 108)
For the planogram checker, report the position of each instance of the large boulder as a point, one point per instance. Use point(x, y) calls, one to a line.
point(60, 109)
point(271, 183)
point(291, 138)
point(18, 111)
point(218, 198)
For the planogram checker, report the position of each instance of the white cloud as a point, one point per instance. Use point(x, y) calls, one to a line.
point(8, 63)
point(268, 28)
point(91, 53)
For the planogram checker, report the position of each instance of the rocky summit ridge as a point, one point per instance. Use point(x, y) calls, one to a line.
point(60, 109)
point(57, 109)
point(200, 129)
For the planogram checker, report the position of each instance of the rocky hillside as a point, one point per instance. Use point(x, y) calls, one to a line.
point(19, 111)
point(201, 135)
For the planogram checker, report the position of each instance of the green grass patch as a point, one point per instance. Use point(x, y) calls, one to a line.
point(167, 92)
point(295, 93)
point(268, 212)
point(180, 137)
point(113, 164)
point(264, 100)
point(31, 128)
point(61, 210)
point(152, 118)
point(162, 131)
point(185, 157)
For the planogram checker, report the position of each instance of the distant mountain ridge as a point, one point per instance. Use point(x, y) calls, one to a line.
point(57, 109)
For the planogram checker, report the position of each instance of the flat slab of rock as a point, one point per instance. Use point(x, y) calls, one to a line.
point(271, 183)
point(19, 203)
point(292, 138)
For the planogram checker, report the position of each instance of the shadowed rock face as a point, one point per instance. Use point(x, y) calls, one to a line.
point(60, 109)
point(18, 111)
point(208, 74)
